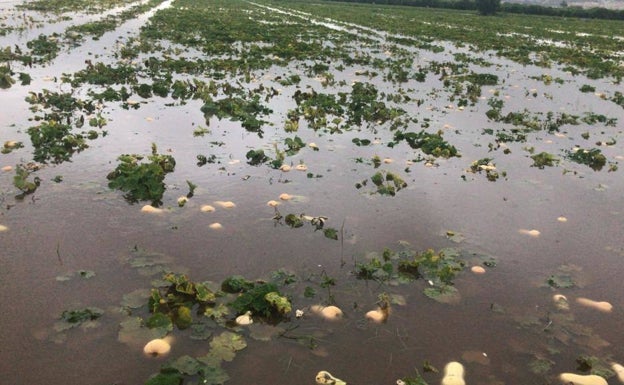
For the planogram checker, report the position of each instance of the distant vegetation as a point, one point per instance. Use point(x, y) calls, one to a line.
point(528, 9)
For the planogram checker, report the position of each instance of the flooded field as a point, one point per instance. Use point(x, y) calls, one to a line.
point(381, 190)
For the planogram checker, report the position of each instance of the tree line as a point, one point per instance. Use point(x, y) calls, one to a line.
point(488, 7)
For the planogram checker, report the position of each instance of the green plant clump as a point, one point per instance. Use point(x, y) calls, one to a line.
point(430, 144)
point(142, 181)
point(592, 158)
point(178, 300)
point(388, 183)
point(439, 268)
point(544, 159)
point(20, 181)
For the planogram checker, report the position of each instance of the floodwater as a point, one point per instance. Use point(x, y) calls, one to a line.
point(504, 320)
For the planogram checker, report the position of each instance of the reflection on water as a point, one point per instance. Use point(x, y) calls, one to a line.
point(505, 323)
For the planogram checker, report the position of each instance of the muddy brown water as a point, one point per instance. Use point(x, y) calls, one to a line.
point(80, 224)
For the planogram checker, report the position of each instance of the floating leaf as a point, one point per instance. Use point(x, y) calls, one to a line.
point(78, 316)
point(165, 379)
point(264, 332)
point(203, 329)
point(86, 274)
point(135, 299)
point(212, 373)
point(217, 312)
point(183, 318)
point(185, 365)
point(455, 236)
point(416, 380)
point(133, 332)
point(293, 221)
point(331, 233)
point(443, 294)
point(161, 322)
point(560, 281)
point(226, 345)
point(280, 303)
point(236, 284)
point(148, 262)
point(309, 292)
point(540, 365)
point(203, 293)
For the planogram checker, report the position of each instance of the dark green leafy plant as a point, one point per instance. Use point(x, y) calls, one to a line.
point(78, 316)
point(430, 144)
point(485, 165)
point(544, 159)
point(375, 269)
point(592, 158)
point(439, 267)
point(246, 111)
point(6, 77)
point(293, 145)
point(236, 284)
point(263, 300)
point(387, 183)
point(256, 157)
point(178, 300)
point(20, 181)
point(142, 181)
point(293, 220)
point(54, 142)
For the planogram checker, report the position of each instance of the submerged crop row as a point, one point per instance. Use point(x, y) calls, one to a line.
point(586, 46)
point(327, 84)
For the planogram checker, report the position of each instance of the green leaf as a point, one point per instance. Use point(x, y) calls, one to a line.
point(236, 284)
point(560, 281)
point(132, 332)
point(281, 304)
point(540, 365)
point(204, 294)
point(135, 299)
point(165, 379)
point(185, 365)
point(160, 321)
point(183, 319)
point(217, 312)
point(225, 345)
point(86, 274)
point(213, 375)
point(264, 332)
point(331, 233)
point(79, 316)
point(416, 380)
point(293, 221)
point(203, 329)
point(443, 294)
point(309, 292)
point(181, 283)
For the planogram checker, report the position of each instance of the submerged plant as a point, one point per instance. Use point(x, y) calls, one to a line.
point(487, 166)
point(21, 181)
point(430, 144)
point(439, 268)
point(592, 158)
point(142, 181)
point(544, 159)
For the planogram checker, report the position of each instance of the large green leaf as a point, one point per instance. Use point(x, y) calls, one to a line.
point(226, 345)
point(160, 322)
point(165, 379)
point(135, 299)
point(443, 294)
